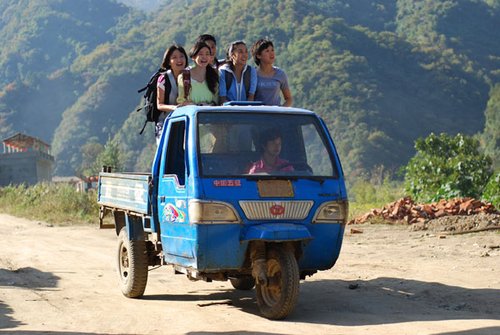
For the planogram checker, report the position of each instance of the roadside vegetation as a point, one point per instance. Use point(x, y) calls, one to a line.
point(54, 203)
point(444, 167)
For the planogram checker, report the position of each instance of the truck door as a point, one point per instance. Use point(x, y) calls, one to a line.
point(176, 235)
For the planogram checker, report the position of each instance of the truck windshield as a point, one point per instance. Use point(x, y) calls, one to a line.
point(274, 144)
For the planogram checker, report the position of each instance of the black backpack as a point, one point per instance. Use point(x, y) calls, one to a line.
point(149, 106)
point(246, 79)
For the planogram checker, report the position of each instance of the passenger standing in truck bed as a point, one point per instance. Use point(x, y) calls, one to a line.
point(174, 61)
point(271, 80)
point(199, 85)
point(237, 79)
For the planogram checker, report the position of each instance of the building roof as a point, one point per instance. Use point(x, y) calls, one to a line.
point(23, 141)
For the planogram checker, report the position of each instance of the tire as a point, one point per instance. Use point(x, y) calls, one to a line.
point(243, 283)
point(278, 298)
point(132, 265)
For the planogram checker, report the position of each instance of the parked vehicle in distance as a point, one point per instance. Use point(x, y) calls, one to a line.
point(247, 193)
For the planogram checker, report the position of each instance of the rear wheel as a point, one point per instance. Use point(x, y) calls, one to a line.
point(132, 264)
point(243, 283)
point(278, 298)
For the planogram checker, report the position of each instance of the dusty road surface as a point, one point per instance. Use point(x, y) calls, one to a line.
point(388, 280)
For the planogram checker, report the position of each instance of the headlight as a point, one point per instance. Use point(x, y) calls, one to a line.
point(206, 212)
point(332, 212)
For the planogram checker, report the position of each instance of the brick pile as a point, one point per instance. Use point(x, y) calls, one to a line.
point(405, 210)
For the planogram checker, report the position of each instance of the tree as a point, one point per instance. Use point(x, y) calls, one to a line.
point(110, 156)
point(447, 167)
point(492, 190)
point(90, 151)
point(491, 134)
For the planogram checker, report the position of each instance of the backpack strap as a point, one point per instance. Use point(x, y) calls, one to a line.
point(186, 80)
point(228, 76)
point(169, 82)
point(246, 79)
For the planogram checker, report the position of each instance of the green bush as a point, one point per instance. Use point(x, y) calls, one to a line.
point(54, 203)
point(447, 167)
point(492, 190)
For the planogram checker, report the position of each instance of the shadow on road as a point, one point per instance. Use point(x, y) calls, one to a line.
point(391, 300)
point(29, 278)
point(239, 332)
point(366, 302)
point(479, 331)
point(6, 321)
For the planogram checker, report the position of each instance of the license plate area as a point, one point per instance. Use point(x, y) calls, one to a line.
point(275, 188)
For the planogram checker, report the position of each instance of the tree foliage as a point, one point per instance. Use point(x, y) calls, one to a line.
point(491, 134)
point(491, 191)
point(446, 167)
point(111, 156)
point(381, 73)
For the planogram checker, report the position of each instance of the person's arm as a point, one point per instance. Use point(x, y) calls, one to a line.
point(160, 98)
point(253, 84)
point(287, 95)
point(285, 90)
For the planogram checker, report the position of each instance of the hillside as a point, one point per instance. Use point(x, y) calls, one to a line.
point(36, 83)
point(381, 73)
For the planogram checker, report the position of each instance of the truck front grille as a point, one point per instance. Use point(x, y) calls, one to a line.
point(276, 210)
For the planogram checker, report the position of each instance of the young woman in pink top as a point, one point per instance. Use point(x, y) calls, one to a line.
point(270, 161)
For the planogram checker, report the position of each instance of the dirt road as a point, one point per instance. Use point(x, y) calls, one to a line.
point(388, 280)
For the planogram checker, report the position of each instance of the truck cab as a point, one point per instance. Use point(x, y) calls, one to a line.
point(236, 192)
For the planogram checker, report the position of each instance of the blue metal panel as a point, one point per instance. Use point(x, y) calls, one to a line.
point(125, 191)
point(304, 189)
point(219, 247)
point(277, 232)
point(322, 252)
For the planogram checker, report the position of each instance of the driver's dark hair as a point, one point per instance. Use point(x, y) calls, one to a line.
point(269, 134)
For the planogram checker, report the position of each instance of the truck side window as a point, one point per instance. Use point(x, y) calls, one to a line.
point(175, 151)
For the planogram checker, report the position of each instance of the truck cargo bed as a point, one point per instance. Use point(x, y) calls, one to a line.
point(125, 191)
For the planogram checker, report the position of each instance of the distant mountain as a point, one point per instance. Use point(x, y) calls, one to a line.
point(145, 5)
point(381, 73)
point(40, 42)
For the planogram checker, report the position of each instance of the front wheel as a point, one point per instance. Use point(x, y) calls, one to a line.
point(132, 264)
point(279, 296)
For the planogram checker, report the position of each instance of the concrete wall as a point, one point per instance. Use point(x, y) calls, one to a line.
point(25, 167)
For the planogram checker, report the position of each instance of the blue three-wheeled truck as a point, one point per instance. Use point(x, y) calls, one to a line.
point(247, 193)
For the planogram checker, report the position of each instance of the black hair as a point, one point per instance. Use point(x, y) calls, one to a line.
point(212, 76)
point(258, 47)
point(165, 64)
point(230, 49)
point(269, 134)
point(206, 37)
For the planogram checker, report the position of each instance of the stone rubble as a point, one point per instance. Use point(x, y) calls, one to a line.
point(407, 211)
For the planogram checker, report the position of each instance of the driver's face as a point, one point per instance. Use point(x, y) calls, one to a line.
point(273, 147)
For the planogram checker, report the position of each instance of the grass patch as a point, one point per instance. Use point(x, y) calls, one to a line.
point(55, 203)
point(62, 204)
point(365, 196)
